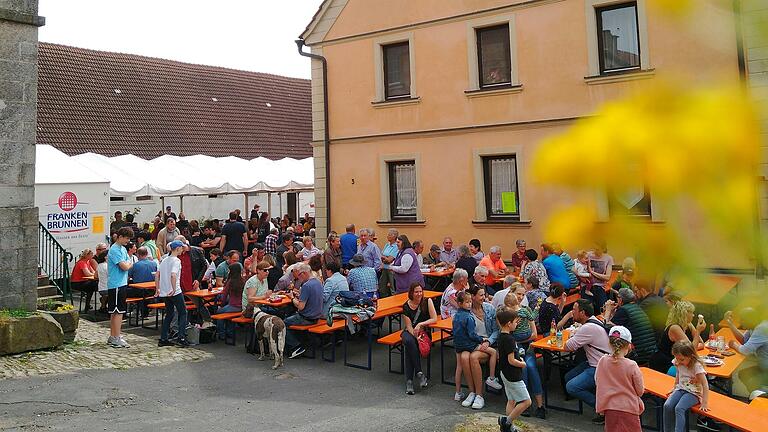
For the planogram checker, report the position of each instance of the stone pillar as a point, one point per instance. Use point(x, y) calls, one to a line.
point(18, 125)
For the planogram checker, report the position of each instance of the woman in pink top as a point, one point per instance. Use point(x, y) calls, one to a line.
point(619, 385)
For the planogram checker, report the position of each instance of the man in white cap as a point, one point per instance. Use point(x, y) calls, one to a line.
point(168, 282)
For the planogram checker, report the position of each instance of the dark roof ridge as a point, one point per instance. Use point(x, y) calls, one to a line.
point(164, 60)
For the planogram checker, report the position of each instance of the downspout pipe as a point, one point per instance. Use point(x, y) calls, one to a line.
point(327, 137)
point(760, 270)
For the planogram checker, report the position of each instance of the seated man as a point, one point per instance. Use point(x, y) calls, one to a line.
point(142, 271)
point(751, 343)
point(554, 266)
point(653, 305)
point(479, 276)
point(335, 282)
point(288, 280)
point(362, 278)
point(448, 254)
point(580, 381)
point(431, 261)
point(418, 247)
point(496, 268)
point(569, 265)
point(222, 270)
point(308, 301)
point(498, 298)
point(627, 313)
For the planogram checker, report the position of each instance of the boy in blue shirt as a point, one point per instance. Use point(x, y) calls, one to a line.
point(118, 265)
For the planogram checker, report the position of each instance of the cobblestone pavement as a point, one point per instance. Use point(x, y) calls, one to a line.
point(89, 351)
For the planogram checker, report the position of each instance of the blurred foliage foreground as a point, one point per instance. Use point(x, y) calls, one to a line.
point(695, 147)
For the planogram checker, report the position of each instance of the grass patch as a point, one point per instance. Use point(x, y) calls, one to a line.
point(15, 313)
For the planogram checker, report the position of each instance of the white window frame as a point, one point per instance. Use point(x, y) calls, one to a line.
point(593, 52)
point(472, 55)
point(378, 65)
point(603, 208)
point(384, 192)
point(477, 162)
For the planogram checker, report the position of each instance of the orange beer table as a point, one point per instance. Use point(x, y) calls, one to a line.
point(723, 375)
point(555, 355)
point(732, 412)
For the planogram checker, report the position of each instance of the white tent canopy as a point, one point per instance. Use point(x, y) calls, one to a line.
point(48, 168)
point(131, 176)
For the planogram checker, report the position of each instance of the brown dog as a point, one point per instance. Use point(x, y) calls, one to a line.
point(272, 328)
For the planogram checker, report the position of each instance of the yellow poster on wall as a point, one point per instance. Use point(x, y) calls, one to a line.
point(98, 224)
point(508, 202)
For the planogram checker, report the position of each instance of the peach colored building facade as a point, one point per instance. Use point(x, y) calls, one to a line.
point(448, 126)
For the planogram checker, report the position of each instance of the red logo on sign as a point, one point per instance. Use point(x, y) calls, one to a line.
point(67, 201)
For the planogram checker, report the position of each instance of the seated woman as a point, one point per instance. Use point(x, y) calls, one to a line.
point(535, 268)
point(256, 288)
point(552, 310)
point(471, 349)
point(679, 328)
point(102, 276)
point(275, 272)
point(487, 328)
point(316, 264)
point(84, 277)
point(290, 259)
point(232, 299)
point(309, 250)
point(524, 334)
point(418, 313)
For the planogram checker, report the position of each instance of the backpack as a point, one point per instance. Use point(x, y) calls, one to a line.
point(353, 298)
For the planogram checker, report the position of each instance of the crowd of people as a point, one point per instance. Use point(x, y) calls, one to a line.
point(497, 308)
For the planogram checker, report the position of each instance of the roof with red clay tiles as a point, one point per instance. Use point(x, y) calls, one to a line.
point(114, 104)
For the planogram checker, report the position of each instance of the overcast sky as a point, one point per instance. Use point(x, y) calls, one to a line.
point(254, 35)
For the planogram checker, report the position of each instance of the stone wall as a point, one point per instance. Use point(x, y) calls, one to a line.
point(18, 124)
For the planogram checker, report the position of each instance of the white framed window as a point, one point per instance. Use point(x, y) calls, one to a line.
point(394, 68)
point(617, 37)
point(400, 188)
point(492, 53)
point(635, 199)
point(499, 196)
point(502, 195)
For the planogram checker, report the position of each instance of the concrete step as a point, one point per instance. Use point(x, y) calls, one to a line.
point(55, 298)
point(42, 280)
point(46, 291)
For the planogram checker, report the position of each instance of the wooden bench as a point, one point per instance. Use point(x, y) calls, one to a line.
point(321, 327)
point(722, 408)
point(227, 316)
point(394, 343)
point(160, 308)
point(137, 310)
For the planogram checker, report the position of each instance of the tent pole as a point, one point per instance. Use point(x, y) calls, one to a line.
point(247, 210)
point(181, 203)
point(162, 204)
point(280, 200)
point(269, 204)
